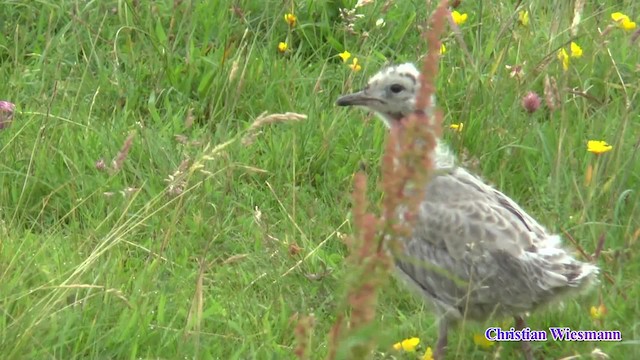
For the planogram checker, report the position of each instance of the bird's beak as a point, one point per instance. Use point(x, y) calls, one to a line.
point(356, 99)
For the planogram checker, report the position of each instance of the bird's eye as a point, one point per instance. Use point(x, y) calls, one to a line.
point(396, 88)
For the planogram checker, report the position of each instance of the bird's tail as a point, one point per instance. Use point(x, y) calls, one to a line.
point(576, 275)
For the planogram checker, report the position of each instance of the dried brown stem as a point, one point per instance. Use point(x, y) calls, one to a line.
point(303, 333)
point(406, 167)
point(118, 161)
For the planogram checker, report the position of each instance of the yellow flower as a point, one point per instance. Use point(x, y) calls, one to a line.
point(619, 17)
point(563, 55)
point(345, 55)
point(597, 313)
point(290, 19)
point(564, 58)
point(458, 18)
point(623, 21)
point(456, 127)
point(628, 25)
point(407, 344)
point(355, 66)
point(576, 50)
point(282, 47)
point(482, 342)
point(598, 147)
point(428, 354)
point(443, 49)
point(523, 17)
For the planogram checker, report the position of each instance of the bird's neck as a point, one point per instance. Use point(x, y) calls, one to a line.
point(443, 156)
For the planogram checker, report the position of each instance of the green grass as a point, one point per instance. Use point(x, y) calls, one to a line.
point(90, 268)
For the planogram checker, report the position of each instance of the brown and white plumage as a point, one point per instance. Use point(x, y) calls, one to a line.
point(474, 253)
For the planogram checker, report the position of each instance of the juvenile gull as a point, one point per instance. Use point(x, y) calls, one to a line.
point(473, 253)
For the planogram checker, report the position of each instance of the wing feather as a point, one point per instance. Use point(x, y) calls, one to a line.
point(471, 245)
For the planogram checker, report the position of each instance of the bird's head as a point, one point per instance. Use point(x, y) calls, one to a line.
point(391, 93)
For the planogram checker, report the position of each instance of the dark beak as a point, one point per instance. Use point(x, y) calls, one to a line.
point(356, 99)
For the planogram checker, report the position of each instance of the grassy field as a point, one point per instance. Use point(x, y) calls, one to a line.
point(142, 217)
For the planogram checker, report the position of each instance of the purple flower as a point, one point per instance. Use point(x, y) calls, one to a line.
point(6, 113)
point(531, 102)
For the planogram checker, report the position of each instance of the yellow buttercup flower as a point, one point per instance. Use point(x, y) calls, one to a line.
point(282, 47)
point(623, 21)
point(443, 49)
point(597, 313)
point(457, 127)
point(576, 50)
point(628, 25)
point(290, 19)
point(598, 147)
point(355, 66)
point(523, 17)
point(619, 17)
point(408, 345)
point(563, 56)
point(482, 342)
point(458, 18)
point(428, 354)
point(345, 55)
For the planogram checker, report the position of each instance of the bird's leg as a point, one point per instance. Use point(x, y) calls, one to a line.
point(526, 347)
point(441, 345)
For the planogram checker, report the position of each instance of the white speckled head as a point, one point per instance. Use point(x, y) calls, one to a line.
point(391, 93)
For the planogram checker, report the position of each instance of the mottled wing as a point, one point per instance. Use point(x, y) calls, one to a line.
point(466, 236)
point(464, 214)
